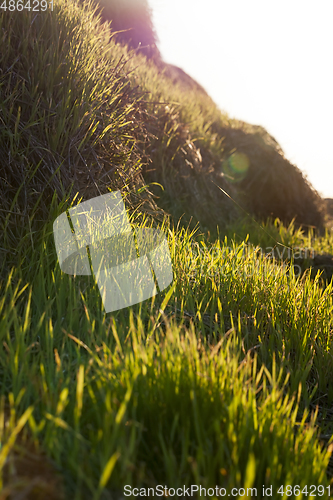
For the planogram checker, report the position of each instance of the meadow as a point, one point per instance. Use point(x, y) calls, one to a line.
point(221, 380)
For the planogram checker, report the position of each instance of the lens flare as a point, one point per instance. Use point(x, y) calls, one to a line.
point(236, 167)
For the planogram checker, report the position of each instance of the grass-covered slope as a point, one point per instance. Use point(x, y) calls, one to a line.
point(69, 114)
point(76, 108)
point(266, 182)
point(206, 384)
point(224, 378)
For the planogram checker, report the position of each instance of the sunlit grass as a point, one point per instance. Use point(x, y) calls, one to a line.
point(208, 382)
point(214, 381)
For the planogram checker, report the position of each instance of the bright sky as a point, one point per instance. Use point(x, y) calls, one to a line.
point(266, 62)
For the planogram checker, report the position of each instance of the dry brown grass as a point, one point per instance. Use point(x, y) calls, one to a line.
point(30, 475)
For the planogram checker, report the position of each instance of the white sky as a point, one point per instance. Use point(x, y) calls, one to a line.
point(266, 62)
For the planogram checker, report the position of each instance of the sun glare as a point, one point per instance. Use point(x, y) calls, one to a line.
point(266, 63)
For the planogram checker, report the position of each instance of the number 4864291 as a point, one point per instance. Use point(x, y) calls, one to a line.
point(19, 5)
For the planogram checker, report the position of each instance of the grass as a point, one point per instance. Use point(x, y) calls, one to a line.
point(212, 382)
point(223, 379)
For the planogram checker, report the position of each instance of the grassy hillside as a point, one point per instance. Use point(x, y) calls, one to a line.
point(223, 379)
point(125, 115)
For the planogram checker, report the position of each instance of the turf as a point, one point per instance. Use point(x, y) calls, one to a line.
point(222, 379)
